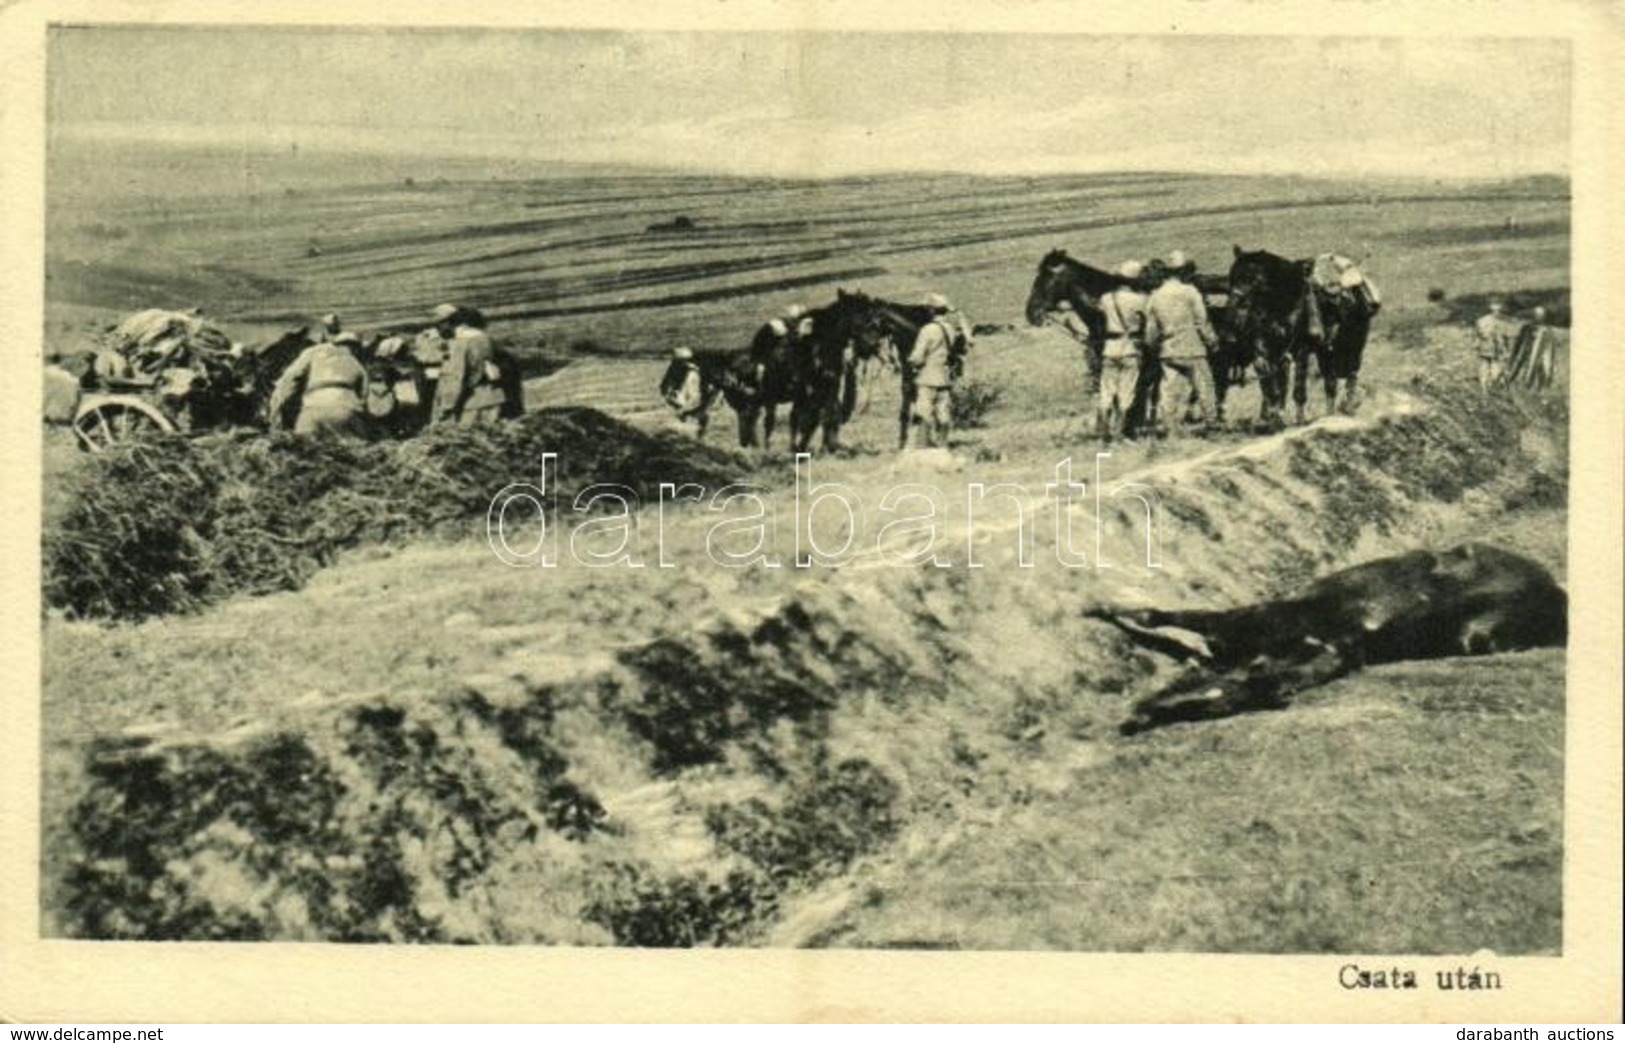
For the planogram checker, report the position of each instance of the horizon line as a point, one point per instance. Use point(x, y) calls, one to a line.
point(287, 141)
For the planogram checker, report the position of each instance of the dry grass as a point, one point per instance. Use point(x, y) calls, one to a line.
point(1435, 826)
point(170, 525)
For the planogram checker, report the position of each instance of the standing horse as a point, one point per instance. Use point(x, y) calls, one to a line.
point(1280, 315)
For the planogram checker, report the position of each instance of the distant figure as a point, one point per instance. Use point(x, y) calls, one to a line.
point(930, 364)
point(1534, 355)
point(1124, 308)
point(329, 386)
point(470, 390)
point(331, 327)
point(1494, 335)
point(1177, 328)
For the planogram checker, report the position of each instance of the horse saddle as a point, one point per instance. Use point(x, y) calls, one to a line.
point(1336, 275)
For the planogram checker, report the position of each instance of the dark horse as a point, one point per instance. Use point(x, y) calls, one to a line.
point(1279, 316)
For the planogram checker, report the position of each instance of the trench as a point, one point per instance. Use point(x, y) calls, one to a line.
point(701, 787)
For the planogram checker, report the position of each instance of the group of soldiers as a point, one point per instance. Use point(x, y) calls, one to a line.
point(1513, 353)
point(1157, 335)
point(328, 387)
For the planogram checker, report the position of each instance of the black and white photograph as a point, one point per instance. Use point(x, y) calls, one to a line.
point(950, 488)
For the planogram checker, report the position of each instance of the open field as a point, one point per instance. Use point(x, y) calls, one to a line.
point(869, 757)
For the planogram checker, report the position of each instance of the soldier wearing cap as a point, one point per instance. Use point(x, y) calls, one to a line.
point(1178, 330)
point(1066, 316)
point(331, 326)
point(470, 389)
point(1494, 335)
point(1124, 308)
point(329, 385)
point(962, 340)
point(931, 375)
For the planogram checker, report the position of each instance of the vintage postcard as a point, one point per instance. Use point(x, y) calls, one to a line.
point(794, 512)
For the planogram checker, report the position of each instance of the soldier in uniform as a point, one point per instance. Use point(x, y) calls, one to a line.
point(1068, 319)
point(329, 385)
point(1124, 308)
point(1143, 412)
point(1177, 328)
point(1494, 336)
point(1534, 358)
point(930, 363)
point(470, 390)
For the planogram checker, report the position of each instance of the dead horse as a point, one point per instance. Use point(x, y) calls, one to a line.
point(1471, 600)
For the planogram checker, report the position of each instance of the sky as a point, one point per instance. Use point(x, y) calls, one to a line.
point(827, 103)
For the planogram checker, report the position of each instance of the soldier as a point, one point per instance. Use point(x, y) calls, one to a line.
point(682, 387)
point(331, 326)
point(1143, 412)
point(1068, 319)
point(470, 390)
point(1494, 335)
point(330, 385)
point(959, 334)
point(1177, 328)
point(776, 340)
point(929, 362)
point(1124, 308)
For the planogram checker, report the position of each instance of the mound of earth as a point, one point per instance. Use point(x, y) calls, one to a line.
point(172, 524)
point(779, 774)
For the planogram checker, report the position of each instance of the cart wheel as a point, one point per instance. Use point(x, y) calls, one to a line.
point(114, 423)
